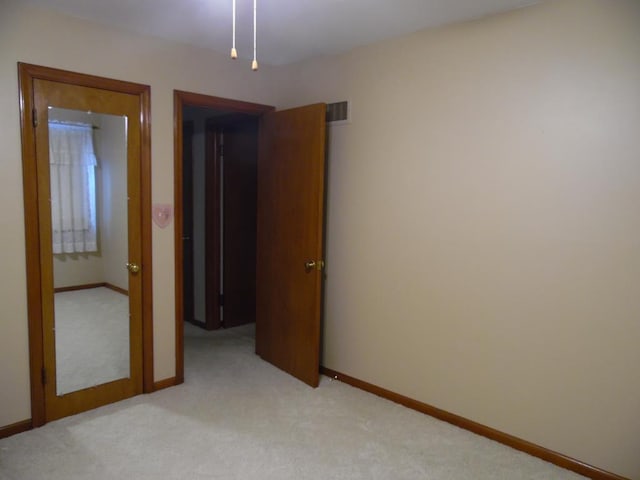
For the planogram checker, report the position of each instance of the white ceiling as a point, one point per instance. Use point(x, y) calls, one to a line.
point(288, 30)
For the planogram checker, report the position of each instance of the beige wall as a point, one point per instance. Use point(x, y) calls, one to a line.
point(199, 116)
point(72, 269)
point(112, 150)
point(35, 36)
point(483, 250)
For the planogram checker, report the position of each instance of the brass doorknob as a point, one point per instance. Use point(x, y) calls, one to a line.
point(313, 265)
point(133, 268)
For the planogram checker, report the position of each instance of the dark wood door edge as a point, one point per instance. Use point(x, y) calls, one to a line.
point(212, 207)
point(15, 428)
point(543, 453)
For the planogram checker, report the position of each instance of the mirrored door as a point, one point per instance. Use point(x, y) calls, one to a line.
point(87, 151)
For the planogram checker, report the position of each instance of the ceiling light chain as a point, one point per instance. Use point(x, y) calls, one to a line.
point(234, 52)
point(254, 64)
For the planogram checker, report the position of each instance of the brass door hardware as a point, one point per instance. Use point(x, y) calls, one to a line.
point(313, 265)
point(133, 267)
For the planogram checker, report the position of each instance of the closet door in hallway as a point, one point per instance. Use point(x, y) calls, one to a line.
point(240, 157)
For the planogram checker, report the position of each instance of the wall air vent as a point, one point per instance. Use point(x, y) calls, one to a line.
point(338, 113)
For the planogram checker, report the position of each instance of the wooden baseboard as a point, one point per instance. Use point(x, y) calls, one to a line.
point(15, 428)
point(488, 432)
point(166, 383)
point(87, 286)
point(72, 288)
point(116, 289)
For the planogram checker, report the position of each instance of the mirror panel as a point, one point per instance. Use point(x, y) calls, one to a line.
point(88, 171)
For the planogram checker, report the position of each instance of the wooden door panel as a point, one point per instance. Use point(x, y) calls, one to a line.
point(56, 94)
point(213, 171)
point(239, 257)
point(291, 168)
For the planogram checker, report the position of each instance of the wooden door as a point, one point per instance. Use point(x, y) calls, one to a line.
point(291, 169)
point(51, 94)
point(212, 241)
point(231, 164)
point(240, 157)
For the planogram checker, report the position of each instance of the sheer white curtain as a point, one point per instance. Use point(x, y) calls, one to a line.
point(72, 164)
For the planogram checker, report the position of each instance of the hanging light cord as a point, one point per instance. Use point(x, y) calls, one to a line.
point(234, 52)
point(254, 64)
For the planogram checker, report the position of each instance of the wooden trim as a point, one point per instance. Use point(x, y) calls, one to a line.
point(72, 288)
point(178, 228)
point(89, 286)
point(219, 103)
point(27, 74)
point(166, 383)
point(550, 456)
point(116, 289)
point(180, 99)
point(188, 283)
point(147, 240)
point(15, 428)
point(81, 79)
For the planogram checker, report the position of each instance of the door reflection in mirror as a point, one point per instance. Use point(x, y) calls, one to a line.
point(88, 171)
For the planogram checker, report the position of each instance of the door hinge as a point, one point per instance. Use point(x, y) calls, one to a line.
point(34, 117)
point(43, 373)
point(221, 299)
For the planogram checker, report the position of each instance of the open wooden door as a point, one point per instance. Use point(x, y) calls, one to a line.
point(290, 222)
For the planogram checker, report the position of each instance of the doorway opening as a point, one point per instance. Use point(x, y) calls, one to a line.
point(215, 202)
point(289, 223)
point(219, 181)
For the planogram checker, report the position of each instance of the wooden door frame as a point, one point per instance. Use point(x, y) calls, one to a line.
point(188, 306)
point(180, 100)
point(27, 74)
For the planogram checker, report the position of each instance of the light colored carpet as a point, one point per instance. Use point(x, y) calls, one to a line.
point(92, 338)
point(237, 417)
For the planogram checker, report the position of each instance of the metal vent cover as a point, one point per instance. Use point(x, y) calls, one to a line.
point(338, 112)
